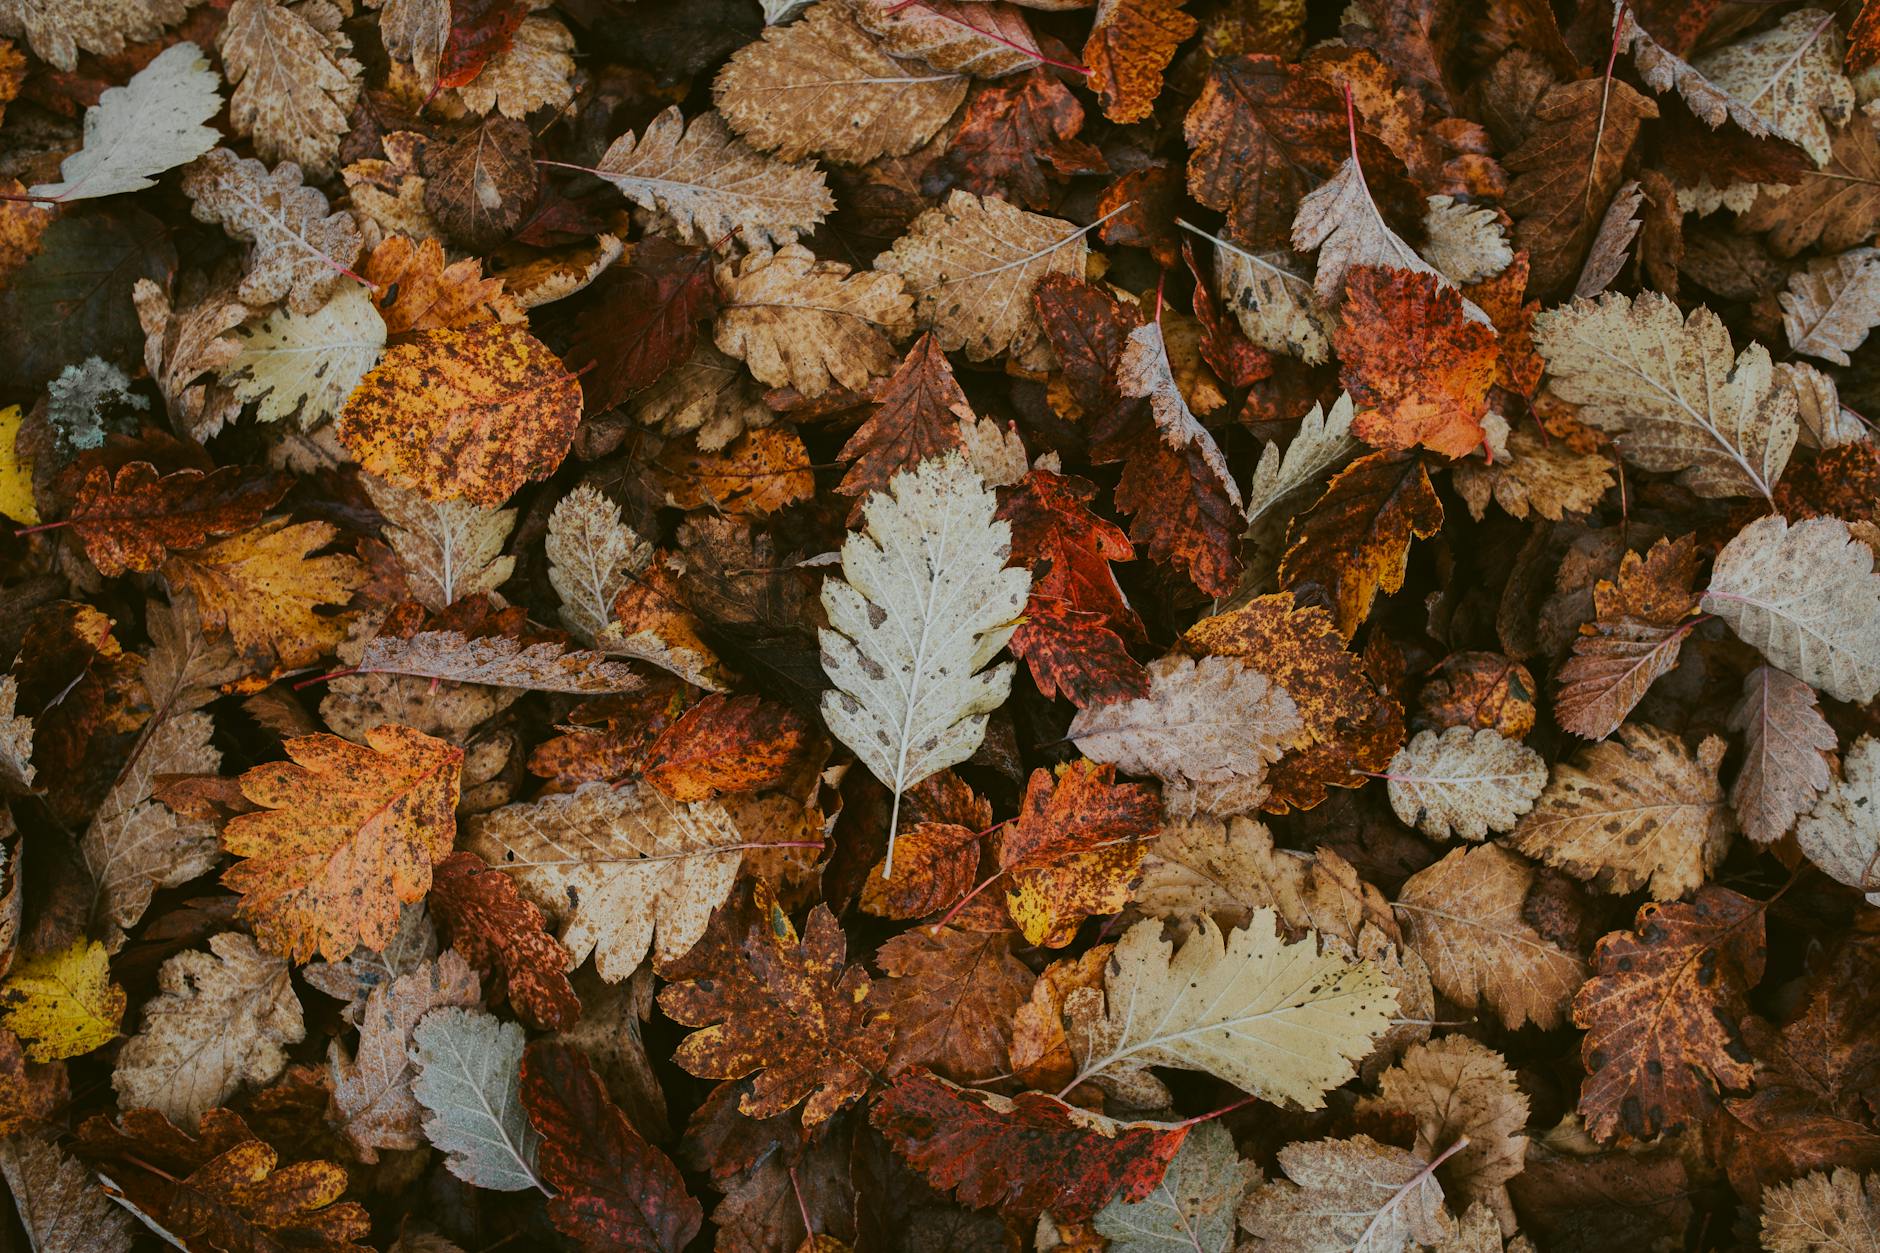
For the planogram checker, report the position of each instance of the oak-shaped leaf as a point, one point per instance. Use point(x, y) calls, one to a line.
point(469, 1079)
point(1354, 1193)
point(1418, 370)
point(221, 1186)
point(613, 1190)
point(623, 870)
point(1456, 1088)
point(372, 1104)
point(924, 602)
point(1354, 541)
point(785, 1009)
point(1639, 625)
point(1464, 782)
point(499, 931)
point(299, 250)
point(472, 413)
point(1465, 916)
point(1808, 598)
point(1022, 1154)
point(343, 835)
point(1279, 1020)
point(133, 519)
point(1074, 849)
point(219, 1022)
point(1662, 1014)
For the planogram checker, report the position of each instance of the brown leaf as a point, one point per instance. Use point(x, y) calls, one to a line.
point(759, 472)
point(1130, 44)
point(951, 996)
point(504, 936)
point(1019, 140)
point(728, 744)
point(299, 251)
point(132, 520)
point(1075, 849)
point(1355, 540)
point(1788, 753)
point(917, 415)
point(1636, 636)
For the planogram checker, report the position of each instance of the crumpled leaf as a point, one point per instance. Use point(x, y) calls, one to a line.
point(1807, 597)
point(185, 342)
point(1669, 386)
point(344, 833)
point(822, 85)
point(1275, 1019)
point(924, 602)
point(470, 414)
point(1662, 1012)
point(1021, 1154)
point(469, 1079)
point(1464, 782)
point(810, 324)
point(373, 1105)
point(1351, 1194)
point(1788, 753)
point(135, 132)
point(785, 1009)
point(218, 1023)
point(299, 250)
point(1841, 835)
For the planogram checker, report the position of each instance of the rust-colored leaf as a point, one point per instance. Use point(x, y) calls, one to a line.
point(1354, 542)
point(1417, 368)
point(728, 744)
point(501, 933)
point(1075, 849)
point(133, 519)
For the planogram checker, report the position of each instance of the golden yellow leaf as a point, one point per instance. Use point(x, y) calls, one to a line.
point(63, 1004)
point(16, 472)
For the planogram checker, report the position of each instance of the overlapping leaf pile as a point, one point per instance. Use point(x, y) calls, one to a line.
point(939, 625)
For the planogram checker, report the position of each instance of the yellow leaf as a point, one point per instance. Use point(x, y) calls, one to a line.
point(16, 473)
point(63, 1004)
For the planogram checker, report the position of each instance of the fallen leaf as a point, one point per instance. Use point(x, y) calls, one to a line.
point(1395, 324)
point(295, 82)
point(951, 995)
point(1822, 1209)
point(60, 1206)
point(135, 132)
point(810, 324)
point(1131, 43)
point(133, 520)
point(728, 744)
point(1460, 1089)
point(1788, 753)
point(62, 1004)
point(299, 250)
point(1840, 835)
point(1464, 782)
point(1074, 849)
point(1640, 623)
point(372, 1101)
point(1354, 1192)
point(1832, 303)
point(1354, 541)
point(469, 1079)
point(504, 936)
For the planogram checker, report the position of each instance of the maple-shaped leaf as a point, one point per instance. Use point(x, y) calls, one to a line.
point(472, 413)
point(1672, 389)
point(1566, 170)
point(1074, 849)
point(1464, 782)
point(1275, 1019)
point(613, 1190)
point(415, 290)
point(1019, 139)
point(1356, 1194)
point(824, 85)
point(924, 602)
point(1822, 1210)
point(344, 833)
point(60, 1205)
point(299, 250)
point(1841, 834)
point(1195, 1204)
point(785, 1009)
point(918, 414)
point(135, 518)
point(728, 744)
point(1640, 621)
point(1349, 725)
point(221, 1187)
point(372, 1102)
point(450, 550)
point(503, 934)
point(1210, 728)
point(1130, 44)
point(1808, 598)
point(810, 324)
point(1466, 917)
point(971, 265)
point(986, 40)
point(1417, 369)
point(1264, 133)
point(623, 870)
point(218, 1022)
point(62, 1003)
point(1354, 541)
point(496, 661)
point(304, 366)
point(1788, 753)
point(135, 132)
point(479, 30)
point(1021, 1154)
point(709, 183)
point(294, 78)
point(1662, 1014)
point(1458, 1088)
point(951, 995)
point(469, 1079)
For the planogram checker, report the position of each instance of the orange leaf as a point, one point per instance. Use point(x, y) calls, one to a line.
point(1075, 849)
point(759, 472)
point(727, 744)
point(1355, 540)
point(346, 834)
point(1418, 370)
point(415, 291)
point(1130, 45)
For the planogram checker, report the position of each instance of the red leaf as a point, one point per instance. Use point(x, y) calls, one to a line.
point(1018, 140)
point(1180, 512)
point(135, 519)
point(501, 933)
point(1024, 1155)
point(479, 30)
point(643, 321)
point(1075, 655)
point(918, 416)
point(615, 1193)
point(1087, 328)
point(727, 744)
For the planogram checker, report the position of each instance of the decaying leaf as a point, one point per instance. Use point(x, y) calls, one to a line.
point(809, 324)
point(1464, 782)
point(298, 250)
point(1788, 753)
point(1356, 1192)
point(1841, 834)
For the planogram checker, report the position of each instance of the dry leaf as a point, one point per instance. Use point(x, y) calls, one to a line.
point(810, 324)
point(1464, 782)
point(1788, 753)
point(1841, 835)
point(299, 251)
point(294, 81)
point(1832, 304)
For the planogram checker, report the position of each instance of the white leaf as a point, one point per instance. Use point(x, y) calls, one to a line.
point(1832, 303)
point(469, 1077)
point(1842, 835)
point(151, 124)
point(1808, 598)
point(1464, 242)
point(592, 555)
point(305, 365)
point(1276, 308)
point(1192, 1209)
point(1464, 782)
point(924, 601)
point(1322, 444)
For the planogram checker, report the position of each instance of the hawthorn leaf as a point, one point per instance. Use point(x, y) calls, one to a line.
point(1789, 78)
point(1416, 368)
point(101, 26)
point(809, 324)
point(1464, 782)
point(1788, 753)
point(1144, 371)
point(496, 661)
point(1131, 43)
point(469, 1079)
point(1821, 1210)
point(1841, 835)
point(62, 1003)
point(1074, 849)
point(1640, 622)
point(1194, 1207)
point(503, 934)
point(373, 1104)
point(60, 1205)
point(449, 549)
point(1323, 443)
point(1355, 539)
point(924, 602)
point(305, 366)
point(135, 132)
point(132, 521)
point(1352, 1194)
point(299, 251)
point(986, 40)
point(295, 82)
point(951, 995)
point(1531, 479)
point(1456, 1088)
